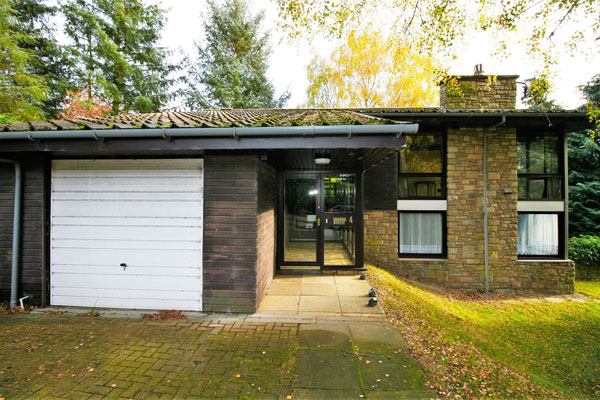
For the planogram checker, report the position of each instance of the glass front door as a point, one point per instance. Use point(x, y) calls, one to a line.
point(319, 219)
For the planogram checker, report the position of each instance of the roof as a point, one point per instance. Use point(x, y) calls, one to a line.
point(227, 118)
point(219, 118)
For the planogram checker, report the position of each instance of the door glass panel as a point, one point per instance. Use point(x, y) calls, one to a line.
point(300, 219)
point(339, 192)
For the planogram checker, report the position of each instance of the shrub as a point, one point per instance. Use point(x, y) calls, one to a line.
point(585, 251)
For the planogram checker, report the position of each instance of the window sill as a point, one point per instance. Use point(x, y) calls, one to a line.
point(543, 260)
point(429, 259)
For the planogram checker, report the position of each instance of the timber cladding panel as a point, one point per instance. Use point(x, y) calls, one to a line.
point(464, 266)
point(239, 232)
point(32, 253)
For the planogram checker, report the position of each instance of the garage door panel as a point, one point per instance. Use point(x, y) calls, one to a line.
point(185, 233)
point(164, 195)
point(118, 256)
point(124, 282)
point(131, 294)
point(105, 184)
point(111, 208)
point(145, 213)
point(129, 302)
point(132, 269)
point(127, 244)
point(151, 164)
point(127, 221)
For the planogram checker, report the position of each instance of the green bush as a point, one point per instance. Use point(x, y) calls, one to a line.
point(585, 251)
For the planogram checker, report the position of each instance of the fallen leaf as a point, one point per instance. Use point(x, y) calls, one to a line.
point(113, 385)
point(288, 397)
point(238, 375)
point(367, 362)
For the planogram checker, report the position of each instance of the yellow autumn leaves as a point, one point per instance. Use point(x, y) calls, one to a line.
point(369, 69)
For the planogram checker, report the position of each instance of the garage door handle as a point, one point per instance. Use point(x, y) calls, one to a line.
point(124, 265)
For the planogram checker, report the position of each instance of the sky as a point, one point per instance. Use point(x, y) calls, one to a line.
point(288, 61)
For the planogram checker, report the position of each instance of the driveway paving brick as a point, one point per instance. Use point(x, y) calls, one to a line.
point(238, 357)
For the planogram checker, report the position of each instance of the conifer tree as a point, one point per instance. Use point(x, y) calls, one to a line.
point(229, 70)
point(116, 44)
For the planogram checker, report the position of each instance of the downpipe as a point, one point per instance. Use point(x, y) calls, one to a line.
point(16, 239)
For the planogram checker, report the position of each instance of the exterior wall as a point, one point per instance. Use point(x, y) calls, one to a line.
point(32, 253)
point(240, 196)
point(481, 92)
point(464, 266)
point(266, 231)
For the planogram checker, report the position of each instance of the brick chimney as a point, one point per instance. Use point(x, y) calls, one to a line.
point(479, 91)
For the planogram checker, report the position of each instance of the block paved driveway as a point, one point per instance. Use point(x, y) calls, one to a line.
point(78, 357)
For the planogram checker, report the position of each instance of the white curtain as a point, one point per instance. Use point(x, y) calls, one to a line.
point(538, 234)
point(420, 233)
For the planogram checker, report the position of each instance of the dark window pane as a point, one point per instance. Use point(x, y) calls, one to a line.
point(420, 233)
point(540, 188)
point(538, 154)
point(422, 154)
point(422, 186)
point(538, 235)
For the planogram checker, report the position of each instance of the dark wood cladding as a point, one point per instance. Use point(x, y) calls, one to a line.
point(381, 185)
point(32, 245)
point(236, 197)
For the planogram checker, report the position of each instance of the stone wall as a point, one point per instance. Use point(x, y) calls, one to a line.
point(464, 266)
point(480, 92)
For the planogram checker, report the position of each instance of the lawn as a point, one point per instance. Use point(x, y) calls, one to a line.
point(591, 289)
point(498, 347)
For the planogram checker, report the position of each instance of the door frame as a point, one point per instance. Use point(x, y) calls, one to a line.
point(358, 219)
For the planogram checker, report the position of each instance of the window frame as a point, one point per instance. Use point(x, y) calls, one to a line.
point(561, 164)
point(444, 253)
point(442, 175)
point(561, 237)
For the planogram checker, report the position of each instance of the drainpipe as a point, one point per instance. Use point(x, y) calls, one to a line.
point(485, 208)
point(16, 239)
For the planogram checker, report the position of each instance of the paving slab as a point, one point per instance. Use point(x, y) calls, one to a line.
point(279, 303)
point(353, 304)
point(319, 303)
point(329, 394)
point(377, 338)
point(334, 335)
point(318, 289)
point(325, 369)
point(318, 279)
point(390, 372)
point(352, 290)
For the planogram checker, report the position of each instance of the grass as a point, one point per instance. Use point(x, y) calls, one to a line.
point(498, 347)
point(591, 289)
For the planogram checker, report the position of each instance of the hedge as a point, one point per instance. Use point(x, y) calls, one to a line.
point(585, 251)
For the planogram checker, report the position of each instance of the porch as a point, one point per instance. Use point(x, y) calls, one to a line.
point(319, 295)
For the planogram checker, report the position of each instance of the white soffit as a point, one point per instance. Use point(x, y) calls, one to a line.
point(422, 205)
point(541, 206)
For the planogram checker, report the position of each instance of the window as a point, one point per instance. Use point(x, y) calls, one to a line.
point(539, 234)
point(540, 165)
point(421, 167)
point(421, 233)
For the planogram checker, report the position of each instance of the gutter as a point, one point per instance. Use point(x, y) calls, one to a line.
point(485, 207)
point(233, 132)
point(16, 239)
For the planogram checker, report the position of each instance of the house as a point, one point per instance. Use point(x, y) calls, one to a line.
point(199, 210)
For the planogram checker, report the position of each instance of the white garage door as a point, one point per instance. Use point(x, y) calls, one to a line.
point(127, 233)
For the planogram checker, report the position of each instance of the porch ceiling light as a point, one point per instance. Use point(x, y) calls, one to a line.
point(322, 159)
